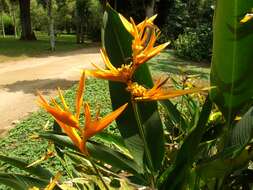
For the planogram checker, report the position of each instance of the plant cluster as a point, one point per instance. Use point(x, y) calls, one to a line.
point(195, 44)
point(189, 25)
point(204, 142)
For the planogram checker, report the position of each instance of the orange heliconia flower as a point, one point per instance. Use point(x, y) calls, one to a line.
point(145, 35)
point(122, 74)
point(70, 122)
point(140, 93)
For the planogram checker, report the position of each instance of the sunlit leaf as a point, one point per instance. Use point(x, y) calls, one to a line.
point(232, 66)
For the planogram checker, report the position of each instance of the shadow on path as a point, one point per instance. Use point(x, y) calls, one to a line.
point(44, 85)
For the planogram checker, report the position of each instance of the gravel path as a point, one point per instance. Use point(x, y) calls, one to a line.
point(19, 81)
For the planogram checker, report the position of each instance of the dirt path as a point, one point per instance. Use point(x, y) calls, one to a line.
point(19, 81)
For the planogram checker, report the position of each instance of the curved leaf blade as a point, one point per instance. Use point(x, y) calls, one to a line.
point(231, 70)
point(118, 42)
point(21, 182)
point(21, 164)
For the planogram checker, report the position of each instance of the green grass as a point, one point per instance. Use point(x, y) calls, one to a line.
point(168, 64)
point(15, 49)
point(19, 143)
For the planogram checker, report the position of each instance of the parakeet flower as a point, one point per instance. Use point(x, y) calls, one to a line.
point(70, 122)
point(140, 93)
point(121, 74)
point(144, 38)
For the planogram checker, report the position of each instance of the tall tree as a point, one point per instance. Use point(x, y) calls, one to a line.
point(163, 9)
point(51, 24)
point(1, 17)
point(25, 19)
point(82, 13)
point(149, 7)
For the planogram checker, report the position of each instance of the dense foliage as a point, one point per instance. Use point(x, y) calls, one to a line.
point(65, 14)
point(195, 44)
point(189, 22)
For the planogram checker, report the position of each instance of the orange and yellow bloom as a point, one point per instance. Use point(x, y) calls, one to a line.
point(144, 38)
point(70, 122)
point(145, 35)
point(122, 74)
point(140, 93)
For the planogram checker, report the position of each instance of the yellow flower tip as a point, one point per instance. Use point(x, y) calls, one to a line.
point(166, 44)
point(53, 182)
point(41, 98)
point(79, 97)
point(152, 18)
point(246, 18)
point(126, 23)
point(208, 88)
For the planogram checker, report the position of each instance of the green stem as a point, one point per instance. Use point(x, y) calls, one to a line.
point(142, 134)
point(98, 173)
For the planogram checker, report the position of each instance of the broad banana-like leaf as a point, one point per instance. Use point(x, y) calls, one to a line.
point(115, 140)
point(99, 152)
point(33, 170)
point(118, 42)
point(174, 116)
point(219, 167)
point(21, 182)
point(241, 134)
point(232, 62)
point(175, 176)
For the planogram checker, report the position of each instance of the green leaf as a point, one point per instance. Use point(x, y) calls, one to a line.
point(117, 141)
point(232, 66)
point(99, 152)
point(242, 132)
point(174, 115)
point(219, 167)
point(118, 42)
point(59, 139)
point(114, 158)
point(21, 182)
point(33, 170)
point(57, 129)
point(175, 176)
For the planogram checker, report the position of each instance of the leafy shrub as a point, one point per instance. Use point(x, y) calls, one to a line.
point(195, 43)
point(8, 25)
point(181, 14)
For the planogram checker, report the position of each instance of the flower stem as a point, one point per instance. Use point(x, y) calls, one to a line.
point(99, 174)
point(142, 134)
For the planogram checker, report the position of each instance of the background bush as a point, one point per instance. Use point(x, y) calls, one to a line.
point(187, 24)
point(8, 25)
point(195, 43)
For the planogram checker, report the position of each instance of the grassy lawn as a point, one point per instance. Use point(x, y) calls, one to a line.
point(21, 142)
point(15, 49)
point(168, 64)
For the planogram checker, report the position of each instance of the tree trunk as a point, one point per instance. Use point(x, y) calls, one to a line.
point(78, 31)
point(2, 23)
point(149, 9)
point(51, 25)
point(25, 19)
point(14, 20)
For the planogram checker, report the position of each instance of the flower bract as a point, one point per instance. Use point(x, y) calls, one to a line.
point(70, 122)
